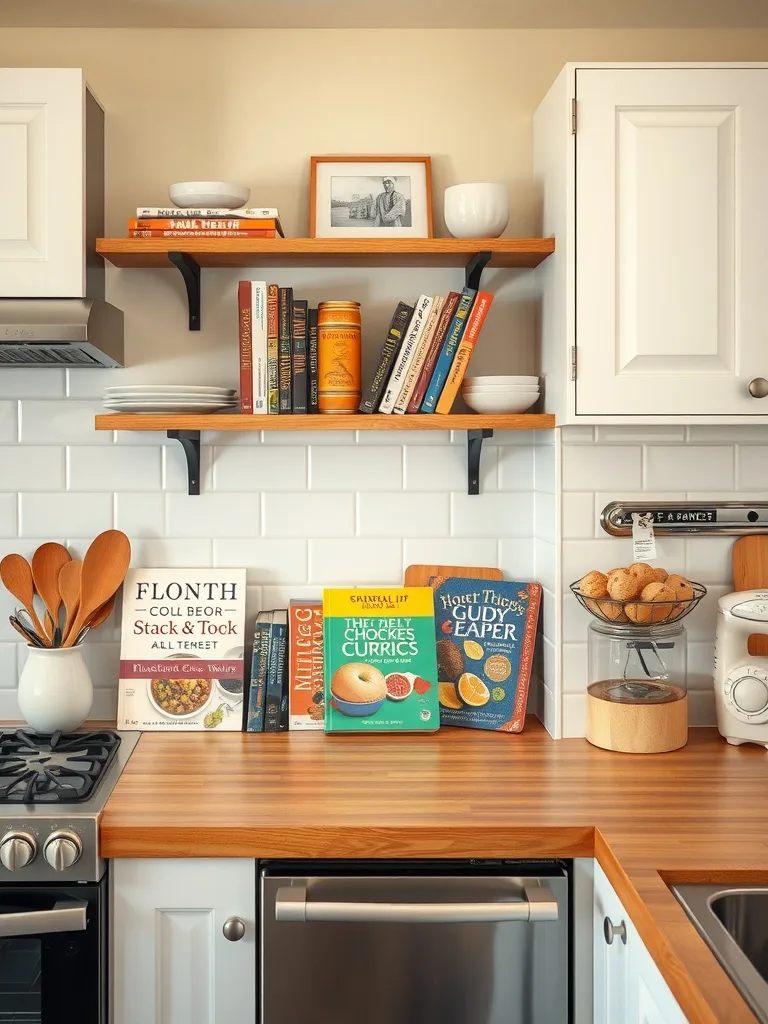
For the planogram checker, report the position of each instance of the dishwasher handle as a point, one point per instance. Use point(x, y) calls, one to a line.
point(291, 904)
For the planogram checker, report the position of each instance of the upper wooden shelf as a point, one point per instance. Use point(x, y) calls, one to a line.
point(323, 421)
point(322, 252)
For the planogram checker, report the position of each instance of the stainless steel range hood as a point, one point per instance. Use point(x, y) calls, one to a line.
point(60, 332)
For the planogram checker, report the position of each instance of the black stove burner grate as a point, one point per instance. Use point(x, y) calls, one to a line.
point(55, 768)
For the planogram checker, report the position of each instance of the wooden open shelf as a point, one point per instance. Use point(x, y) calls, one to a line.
point(324, 252)
point(327, 421)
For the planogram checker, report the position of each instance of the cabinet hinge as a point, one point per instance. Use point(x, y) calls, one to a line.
point(573, 117)
point(573, 362)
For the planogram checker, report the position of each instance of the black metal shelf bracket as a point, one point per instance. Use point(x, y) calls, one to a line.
point(474, 269)
point(189, 269)
point(190, 442)
point(475, 440)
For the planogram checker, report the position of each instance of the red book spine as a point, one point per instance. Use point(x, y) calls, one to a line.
point(433, 354)
point(246, 353)
point(157, 233)
point(201, 224)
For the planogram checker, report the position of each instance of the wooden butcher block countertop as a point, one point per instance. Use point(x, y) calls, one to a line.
point(699, 814)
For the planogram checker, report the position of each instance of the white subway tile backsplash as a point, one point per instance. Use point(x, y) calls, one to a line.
point(260, 468)
point(62, 514)
point(516, 468)
point(356, 468)
point(302, 515)
point(8, 426)
point(545, 468)
point(8, 678)
point(62, 422)
point(140, 515)
point(172, 553)
point(39, 468)
point(374, 438)
point(753, 469)
point(757, 434)
point(575, 678)
point(444, 468)
point(449, 551)
point(266, 560)
point(308, 437)
point(545, 563)
point(701, 659)
point(91, 382)
point(578, 516)
point(545, 516)
point(689, 467)
point(8, 516)
point(577, 434)
point(280, 596)
point(30, 383)
point(574, 716)
point(392, 515)
point(516, 560)
point(701, 708)
point(112, 468)
point(700, 624)
point(352, 562)
point(638, 434)
point(708, 559)
point(492, 515)
point(602, 467)
point(213, 514)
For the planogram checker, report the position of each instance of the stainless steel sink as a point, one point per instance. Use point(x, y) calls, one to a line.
point(734, 923)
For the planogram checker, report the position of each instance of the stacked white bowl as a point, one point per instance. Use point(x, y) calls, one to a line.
point(495, 395)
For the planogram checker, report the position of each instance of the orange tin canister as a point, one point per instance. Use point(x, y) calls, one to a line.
point(338, 357)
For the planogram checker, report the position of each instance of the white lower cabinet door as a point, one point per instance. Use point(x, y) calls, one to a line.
point(653, 1003)
point(611, 975)
point(176, 954)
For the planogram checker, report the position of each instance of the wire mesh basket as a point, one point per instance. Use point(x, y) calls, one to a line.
point(637, 612)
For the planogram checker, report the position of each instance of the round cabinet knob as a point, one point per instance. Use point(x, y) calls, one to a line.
point(612, 931)
point(758, 387)
point(234, 929)
point(17, 849)
point(750, 694)
point(62, 850)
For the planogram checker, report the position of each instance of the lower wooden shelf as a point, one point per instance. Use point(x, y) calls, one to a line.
point(187, 428)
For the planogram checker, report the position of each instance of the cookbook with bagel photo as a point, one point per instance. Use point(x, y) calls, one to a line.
point(182, 650)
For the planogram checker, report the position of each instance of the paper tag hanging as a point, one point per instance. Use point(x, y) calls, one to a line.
point(643, 537)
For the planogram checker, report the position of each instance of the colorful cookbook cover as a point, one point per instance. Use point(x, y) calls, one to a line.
point(306, 698)
point(379, 652)
point(182, 649)
point(485, 638)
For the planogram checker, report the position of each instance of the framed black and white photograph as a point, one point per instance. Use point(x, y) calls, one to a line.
point(371, 197)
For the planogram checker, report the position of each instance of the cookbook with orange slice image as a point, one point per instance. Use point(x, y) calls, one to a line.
point(486, 632)
point(380, 668)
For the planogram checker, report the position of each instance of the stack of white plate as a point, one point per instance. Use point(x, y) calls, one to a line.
point(168, 398)
point(494, 395)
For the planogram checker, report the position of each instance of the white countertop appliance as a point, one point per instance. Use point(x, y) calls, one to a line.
point(741, 681)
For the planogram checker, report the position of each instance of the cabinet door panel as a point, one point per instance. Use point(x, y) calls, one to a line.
point(611, 962)
point(670, 223)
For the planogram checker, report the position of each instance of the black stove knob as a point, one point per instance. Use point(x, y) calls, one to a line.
point(62, 850)
point(17, 849)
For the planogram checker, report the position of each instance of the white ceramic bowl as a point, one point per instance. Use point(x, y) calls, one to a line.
point(501, 389)
point(209, 193)
point(478, 209)
point(499, 379)
point(495, 404)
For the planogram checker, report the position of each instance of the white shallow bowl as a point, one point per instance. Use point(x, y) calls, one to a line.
point(209, 193)
point(167, 389)
point(495, 404)
point(499, 379)
point(502, 389)
point(477, 209)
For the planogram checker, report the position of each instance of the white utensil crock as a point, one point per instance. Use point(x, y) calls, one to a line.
point(478, 209)
point(55, 689)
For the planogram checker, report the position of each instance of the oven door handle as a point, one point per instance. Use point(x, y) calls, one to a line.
point(64, 916)
point(291, 904)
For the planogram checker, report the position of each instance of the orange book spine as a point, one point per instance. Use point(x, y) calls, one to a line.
point(246, 352)
point(156, 233)
point(201, 224)
point(305, 666)
point(477, 316)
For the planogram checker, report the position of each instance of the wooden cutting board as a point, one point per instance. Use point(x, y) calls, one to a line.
point(749, 558)
point(418, 575)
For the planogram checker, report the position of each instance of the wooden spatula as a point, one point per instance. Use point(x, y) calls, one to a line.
point(418, 575)
point(98, 618)
point(69, 589)
point(46, 564)
point(749, 557)
point(16, 574)
point(104, 567)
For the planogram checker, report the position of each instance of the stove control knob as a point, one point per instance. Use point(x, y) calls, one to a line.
point(62, 850)
point(17, 849)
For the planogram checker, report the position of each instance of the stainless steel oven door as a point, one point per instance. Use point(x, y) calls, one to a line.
point(52, 956)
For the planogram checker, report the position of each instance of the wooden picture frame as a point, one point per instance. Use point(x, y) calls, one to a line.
point(355, 202)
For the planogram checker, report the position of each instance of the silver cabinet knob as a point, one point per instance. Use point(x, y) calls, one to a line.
point(234, 929)
point(758, 387)
point(62, 850)
point(17, 850)
point(612, 931)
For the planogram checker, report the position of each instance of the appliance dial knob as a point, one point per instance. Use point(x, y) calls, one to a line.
point(17, 849)
point(62, 850)
point(750, 694)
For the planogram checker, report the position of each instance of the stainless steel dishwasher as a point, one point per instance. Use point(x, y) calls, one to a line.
point(414, 943)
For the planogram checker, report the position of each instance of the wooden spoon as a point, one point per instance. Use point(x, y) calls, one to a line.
point(102, 614)
point(104, 567)
point(16, 574)
point(46, 564)
point(69, 589)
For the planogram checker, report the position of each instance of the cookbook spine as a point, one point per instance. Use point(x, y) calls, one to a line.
point(448, 351)
point(464, 352)
point(299, 355)
point(273, 377)
point(305, 672)
point(153, 233)
point(285, 302)
point(259, 346)
point(406, 353)
point(276, 666)
point(246, 356)
point(312, 364)
point(257, 686)
point(206, 212)
point(433, 351)
point(397, 327)
point(414, 368)
point(201, 224)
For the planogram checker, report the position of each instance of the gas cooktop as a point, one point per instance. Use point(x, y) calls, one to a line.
point(54, 768)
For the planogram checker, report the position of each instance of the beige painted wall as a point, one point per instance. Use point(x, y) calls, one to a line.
point(253, 105)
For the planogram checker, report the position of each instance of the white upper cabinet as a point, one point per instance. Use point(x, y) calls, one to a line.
point(658, 204)
point(51, 184)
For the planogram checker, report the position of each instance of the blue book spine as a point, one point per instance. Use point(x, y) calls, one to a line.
point(256, 690)
point(275, 673)
point(448, 351)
